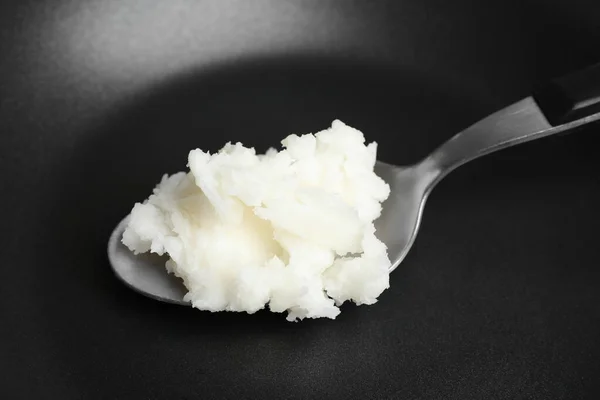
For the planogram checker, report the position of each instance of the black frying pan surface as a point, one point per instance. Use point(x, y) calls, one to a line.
point(498, 298)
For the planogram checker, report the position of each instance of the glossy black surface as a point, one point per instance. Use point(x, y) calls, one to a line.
point(497, 299)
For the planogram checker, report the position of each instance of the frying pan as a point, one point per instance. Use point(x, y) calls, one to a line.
point(497, 299)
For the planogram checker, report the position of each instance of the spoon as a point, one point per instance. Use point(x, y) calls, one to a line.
point(560, 106)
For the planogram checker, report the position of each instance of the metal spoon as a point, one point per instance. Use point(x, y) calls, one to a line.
point(565, 104)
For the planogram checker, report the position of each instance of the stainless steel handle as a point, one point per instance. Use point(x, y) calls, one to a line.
point(520, 122)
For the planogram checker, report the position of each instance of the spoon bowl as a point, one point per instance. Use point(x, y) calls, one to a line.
point(396, 227)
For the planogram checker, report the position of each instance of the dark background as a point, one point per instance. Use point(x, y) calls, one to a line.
point(498, 298)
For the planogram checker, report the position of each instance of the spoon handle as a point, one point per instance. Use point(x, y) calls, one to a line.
point(560, 106)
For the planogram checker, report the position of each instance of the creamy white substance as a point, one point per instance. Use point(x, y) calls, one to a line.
point(292, 228)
